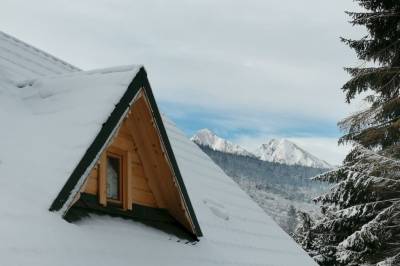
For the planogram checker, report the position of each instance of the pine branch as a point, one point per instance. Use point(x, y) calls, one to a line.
point(370, 235)
point(382, 132)
point(360, 72)
point(361, 18)
point(360, 120)
point(372, 49)
point(372, 78)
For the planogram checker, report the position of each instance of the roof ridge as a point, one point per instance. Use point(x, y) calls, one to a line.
point(38, 51)
point(28, 82)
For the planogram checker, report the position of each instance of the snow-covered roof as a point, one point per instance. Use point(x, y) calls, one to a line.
point(47, 124)
point(19, 60)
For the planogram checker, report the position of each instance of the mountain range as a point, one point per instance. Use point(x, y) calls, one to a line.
point(276, 175)
point(275, 150)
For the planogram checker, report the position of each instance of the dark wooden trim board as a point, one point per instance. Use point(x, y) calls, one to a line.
point(154, 217)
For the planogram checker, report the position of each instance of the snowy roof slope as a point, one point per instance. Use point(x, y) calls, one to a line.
point(47, 124)
point(19, 61)
point(231, 221)
point(50, 122)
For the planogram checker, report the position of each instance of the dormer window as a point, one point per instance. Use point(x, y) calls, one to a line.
point(113, 186)
point(114, 178)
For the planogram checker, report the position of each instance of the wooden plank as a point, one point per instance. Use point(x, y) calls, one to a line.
point(135, 157)
point(140, 183)
point(127, 201)
point(145, 155)
point(144, 198)
point(102, 179)
point(124, 135)
point(122, 143)
point(124, 129)
point(138, 170)
point(91, 183)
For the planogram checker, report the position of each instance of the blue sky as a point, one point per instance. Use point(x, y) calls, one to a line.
point(249, 70)
point(226, 124)
point(318, 136)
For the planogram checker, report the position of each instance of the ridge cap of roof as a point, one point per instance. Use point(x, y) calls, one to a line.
point(38, 51)
point(108, 70)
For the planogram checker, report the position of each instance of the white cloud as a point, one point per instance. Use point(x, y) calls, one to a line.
point(263, 64)
point(263, 55)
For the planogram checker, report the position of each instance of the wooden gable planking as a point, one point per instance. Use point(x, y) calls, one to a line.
point(139, 188)
point(150, 177)
point(164, 183)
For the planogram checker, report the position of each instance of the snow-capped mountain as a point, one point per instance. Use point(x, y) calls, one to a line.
point(206, 137)
point(275, 150)
point(287, 152)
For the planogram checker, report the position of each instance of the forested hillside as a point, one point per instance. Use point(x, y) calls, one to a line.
point(279, 189)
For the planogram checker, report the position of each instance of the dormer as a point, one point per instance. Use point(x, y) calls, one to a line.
point(134, 174)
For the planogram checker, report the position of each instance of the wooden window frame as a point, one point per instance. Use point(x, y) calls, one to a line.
point(124, 201)
point(121, 171)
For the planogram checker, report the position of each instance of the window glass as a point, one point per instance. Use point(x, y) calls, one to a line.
point(113, 177)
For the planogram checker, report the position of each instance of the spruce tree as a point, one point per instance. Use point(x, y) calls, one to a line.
point(379, 125)
point(360, 218)
point(360, 223)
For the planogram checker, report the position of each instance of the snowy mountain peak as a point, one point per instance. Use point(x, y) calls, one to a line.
point(206, 137)
point(275, 150)
point(286, 152)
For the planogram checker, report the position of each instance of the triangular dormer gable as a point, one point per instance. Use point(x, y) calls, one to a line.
point(130, 165)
